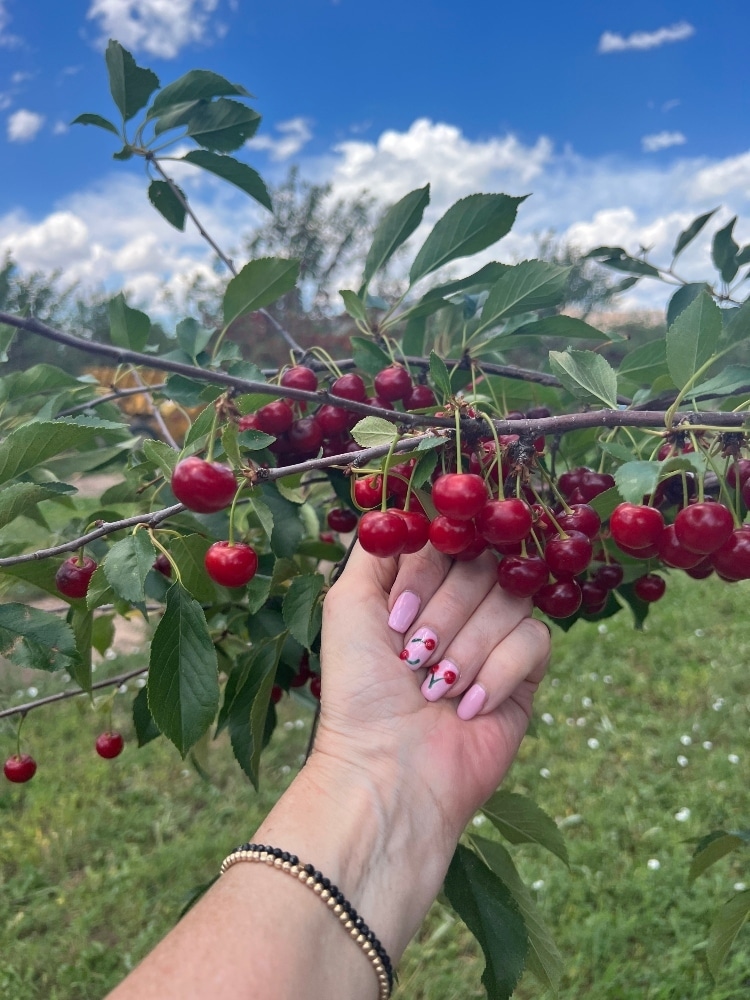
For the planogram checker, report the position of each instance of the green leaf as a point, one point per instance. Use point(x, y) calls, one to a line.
point(439, 375)
point(201, 426)
point(103, 633)
point(7, 336)
point(724, 252)
point(128, 564)
point(725, 929)
point(469, 226)
point(733, 379)
point(586, 375)
point(372, 432)
point(682, 298)
point(37, 639)
point(128, 328)
point(543, 959)
point(34, 381)
point(89, 119)
point(259, 283)
point(645, 363)
point(288, 530)
point(521, 821)
point(737, 330)
point(189, 553)
point(619, 260)
point(256, 592)
point(713, 847)
point(167, 201)
point(197, 85)
point(250, 707)
point(688, 235)
point(532, 284)
point(143, 721)
point(222, 125)
point(237, 173)
point(692, 339)
point(183, 683)
point(162, 455)
point(438, 297)
point(99, 591)
point(568, 327)
point(395, 228)
point(368, 356)
point(82, 623)
point(34, 443)
point(636, 480)
point(489, 911)
point(605, 503)
point(354, 305)
point(130, 85)
point(253, 440)
point(301, 608)
point(18, 498)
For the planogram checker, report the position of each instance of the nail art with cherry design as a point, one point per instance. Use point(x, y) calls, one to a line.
point(419, 648)
point(440, 678)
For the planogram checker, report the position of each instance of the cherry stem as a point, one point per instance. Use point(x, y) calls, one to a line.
point(459, 469)
point(231, 511)
point(384, 486)
point(498, 459)
point(212, 435)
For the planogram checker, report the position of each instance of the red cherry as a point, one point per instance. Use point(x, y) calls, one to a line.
point(275, 418)
point(609, 575)
point(522, 576)
point(19, 768)
point(332, 420)
point(459, 495)
point(560, 599)
point(382, 533)
point(420, 398)
point(109, 745)
point(315, 686)
point(368, 491)
point(732, 560)
point(538, 413)
point(417, 527)
point(650, 588)
point(384, 404)
point(593, 484)
point(305, 437)
point(504, 522)
point(300, 377)
point(581, 517)
point(342, 519)
point(72, 577)
point(636, 526)
point(248, 423)
point(451, 536)
point(702, 570)
point(303, 672)
point(746, 493)
point(231, 565)
point(393, 383)
point(277, 693)
point(568, 556)
point(204, 487)
point(739, 469)
point(472, 551)
point(163, 565)
point(673, 553)
point(351, 387)
point(593, 596)
point(703, 527)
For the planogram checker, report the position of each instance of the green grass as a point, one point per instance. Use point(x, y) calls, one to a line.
point(97, 858)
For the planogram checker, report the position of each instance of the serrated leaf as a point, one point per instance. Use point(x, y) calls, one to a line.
point(394, 229)
point(605, 503)
point(692, 339)
point(733, 379)
point(165, 200)
point(250, 706)
point(737, 330)
point(724, 252)
point(231, 446)
point(146, 729)
point(18, 498)
point(354, 305)
point(682, 298)
point(237, 173)
point(423, 468)
point(183, 683)
point(521, 821)
point(128, 327)
point(368, 357)
point(622, 261)
point(128, 564)
point(34, 443)
point(569, 327)
point(586, 375)
point(82, 623)
point(645, 363)
point(35, 380)
point(439, 297)
point(197, 85)
point(301, 608)
point(532, 284)
point(130, 85)
point(688, 235)
point(372, 432)
point(725, 929)
point(258, 284)
point(288, 530)
point(469, 226)
point(636, 480)
point(543, 958)
point(256, 592)
point(253, 440)
point(201, 426)
point(162, 455)
point(103, 633)
point(262, 514)
point(189, 553)
point(89, 119)
point(439, 375)
point(192, 337)
point(99, 591)
point(33, 638)
point(713, 847)
point(489, 911)
point(223, 125)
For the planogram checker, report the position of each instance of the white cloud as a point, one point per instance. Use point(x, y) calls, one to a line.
point(295, 134)
point(661, 140)
point(669, 105)
point(59, 128)
point(610, 41)
point(20, 77)
point(7, 40)
point(23, 125)
point(161, 27)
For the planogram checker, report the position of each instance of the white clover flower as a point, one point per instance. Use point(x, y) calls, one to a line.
point(479, 820)
point(686, 740)
point(545, 772)
point(682, 761)
point(32, 692)
point(682, 815)
point(581, 722)
point(602, 629)
point(718, 704)
point(141, 682)
point(538, 885)
point(707, 745)
point(699, 632)
point(299, 723)
point(548, 719)
point(654, 864)
point(586, 702)
point(110, 654)
point(739, 887)
point(733, 758)
point(593, 743)
point(122, 689)
point(608, 679)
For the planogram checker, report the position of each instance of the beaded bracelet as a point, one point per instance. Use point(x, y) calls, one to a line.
point(338, 903)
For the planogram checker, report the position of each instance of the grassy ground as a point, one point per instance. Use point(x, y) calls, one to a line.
point(642, 744)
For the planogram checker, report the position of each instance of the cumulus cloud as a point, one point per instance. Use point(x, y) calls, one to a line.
point(161, 27)
point(7, 40)
point(610, 41)
point(294, 135)
point(661, 140)
point(23, 125)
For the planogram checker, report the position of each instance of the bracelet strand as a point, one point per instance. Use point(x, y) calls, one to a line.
point(331, 895)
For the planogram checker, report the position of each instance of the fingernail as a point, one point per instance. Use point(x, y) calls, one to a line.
point(404, 611)
point(440, 679)
point(419, 648)
point(472, 702)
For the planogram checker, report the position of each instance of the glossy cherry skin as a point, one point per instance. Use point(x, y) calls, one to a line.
point(610, 575)
point(673, 553)
point(275, 418)
point(472, 551)
point(732, 560)
point(109, 745)
point(504, 522)
point(451, 536)
point(368, 491)
point(560, 599)
point(703, 527)
point(522, 576)
point(351, 387)
point(72, 578)
point(420, 398)
point(739, 469)
point(636, 526)
point(204, 487)
point(393, 383)
point(418, 529)
point(459, 495)
point(300, 377)
point(332, 420)
point(382, 533)
point(163, 565)
point(650, 588)
point(20, 768)
point(342, 519)
point(594, 596)
point(315, 686)
point(567, 556)
point(581, 517)
point(231, 565)
point(305, 437)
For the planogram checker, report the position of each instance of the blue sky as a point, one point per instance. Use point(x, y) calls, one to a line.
point(624, 122)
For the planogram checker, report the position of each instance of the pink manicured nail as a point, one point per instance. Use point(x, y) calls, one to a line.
point(440, 679)
point(404, 611)
point(472, 702)
point(419, 648)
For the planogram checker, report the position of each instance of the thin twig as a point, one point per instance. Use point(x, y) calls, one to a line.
point(98, 400)
point(155, 411)
point(73, 693)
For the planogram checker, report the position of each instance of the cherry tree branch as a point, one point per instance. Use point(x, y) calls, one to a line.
point(117, 394)
point(72, 693)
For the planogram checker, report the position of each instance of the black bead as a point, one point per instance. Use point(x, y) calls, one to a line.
point(353, 913)
point(318, 876)
point(277, 852)
point(285, 855)
point(309, 869)
point(326, 883)
point(294, 859)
